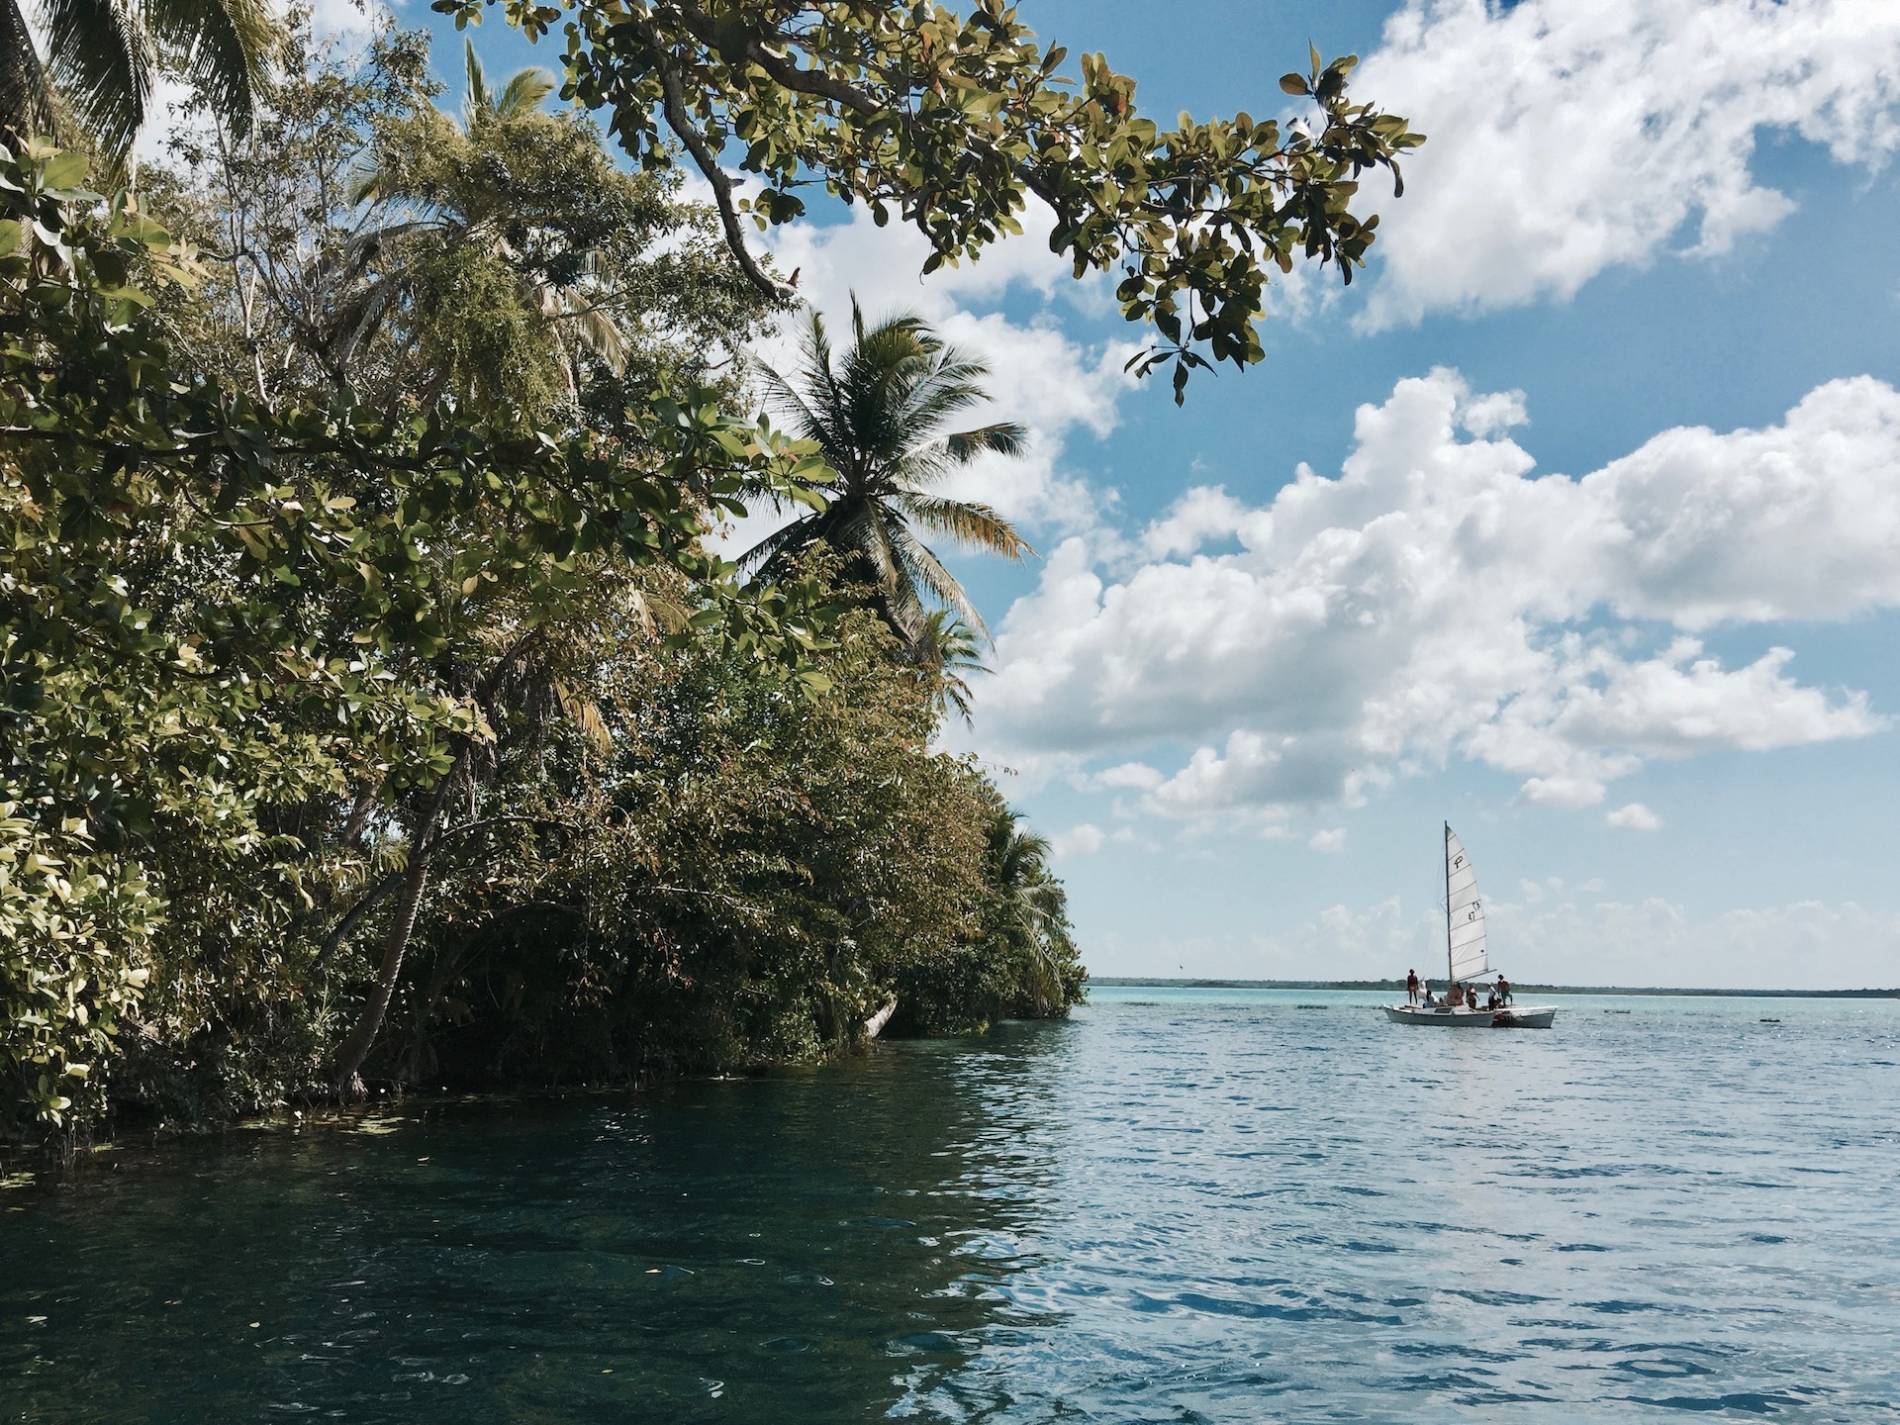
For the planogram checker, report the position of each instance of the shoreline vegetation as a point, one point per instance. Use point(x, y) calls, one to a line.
point(1127, 982)
point(381, 703)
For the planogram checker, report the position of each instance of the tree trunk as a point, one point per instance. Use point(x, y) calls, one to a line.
point(355, 1049)
point(874, 1026)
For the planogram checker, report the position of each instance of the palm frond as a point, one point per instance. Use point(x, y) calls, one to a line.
point(858, 529)
point(780, 544)
point(926, 569)
point(795, 408)
point(524, 93)
point(102, 60)
point(967, 522)
point(944, 651)
point(223, 48)
point(585, 714)
point(477, 102)
point(26, 97)
point(1002, 438)
point(949, 382)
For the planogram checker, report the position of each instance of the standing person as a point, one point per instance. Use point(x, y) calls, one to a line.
point(1411, 986)
point(1504, 989)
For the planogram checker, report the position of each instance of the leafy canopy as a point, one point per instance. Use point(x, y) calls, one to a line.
point(951, 122)
point(207, 598)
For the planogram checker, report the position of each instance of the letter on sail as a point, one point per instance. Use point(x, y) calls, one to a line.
point(1465, 914)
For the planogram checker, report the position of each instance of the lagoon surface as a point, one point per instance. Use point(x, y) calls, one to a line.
point(1183, 1205)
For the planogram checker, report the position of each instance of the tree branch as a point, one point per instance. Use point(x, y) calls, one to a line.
point(681, 124)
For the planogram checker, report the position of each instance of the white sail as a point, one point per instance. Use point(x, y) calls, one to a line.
point(1465, 914)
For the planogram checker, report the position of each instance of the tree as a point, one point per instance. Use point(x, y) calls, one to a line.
point(732, 876)
point(877, 415)
point(459, 219)
point(1028, 914)
point(224, 616)
point(943, 653)
point(103, 57)
point(951, 122)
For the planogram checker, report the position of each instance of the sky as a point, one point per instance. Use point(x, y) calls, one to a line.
point(1574, 522)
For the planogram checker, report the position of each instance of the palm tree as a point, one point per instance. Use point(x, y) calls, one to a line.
point(1030, 911)
point(446, 203)
point(943, 652)
point(102, 57)
point(878, 417)
point(519, 97)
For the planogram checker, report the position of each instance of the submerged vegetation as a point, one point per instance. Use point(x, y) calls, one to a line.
point(374, 705)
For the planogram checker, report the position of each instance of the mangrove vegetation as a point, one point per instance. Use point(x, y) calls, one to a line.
point(378, 703)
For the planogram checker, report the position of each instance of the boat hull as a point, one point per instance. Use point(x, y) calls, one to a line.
point(1438, 1016)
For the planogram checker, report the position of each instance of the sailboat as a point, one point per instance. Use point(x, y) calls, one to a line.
point(1467, 957)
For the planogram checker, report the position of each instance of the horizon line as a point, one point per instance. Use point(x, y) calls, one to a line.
point(1198, 982)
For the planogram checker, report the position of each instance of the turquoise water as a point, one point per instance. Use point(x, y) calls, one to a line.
point(1183, 1206)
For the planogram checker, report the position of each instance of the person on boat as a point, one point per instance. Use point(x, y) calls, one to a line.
point(1491, 1001)
point(1504, 990)
point(1455, 996)
point(1428, 996)
point(1411, 986)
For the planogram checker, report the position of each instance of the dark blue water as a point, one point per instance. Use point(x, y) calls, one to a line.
point(1176, 1208)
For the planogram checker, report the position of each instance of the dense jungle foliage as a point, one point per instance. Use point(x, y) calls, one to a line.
point(375, 707)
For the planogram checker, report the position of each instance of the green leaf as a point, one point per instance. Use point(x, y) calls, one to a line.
point(63, 170)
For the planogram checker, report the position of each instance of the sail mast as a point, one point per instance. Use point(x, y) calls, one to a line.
point(1446, 850)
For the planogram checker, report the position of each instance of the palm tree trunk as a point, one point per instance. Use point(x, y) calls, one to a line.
point(355, 1048)
point(874, 1026)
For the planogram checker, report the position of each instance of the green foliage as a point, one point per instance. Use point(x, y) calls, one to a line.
point(949, 121)
point(103, 58)
point(368, 696)
point(729, 876)
point(74, 926)
point(223, 615)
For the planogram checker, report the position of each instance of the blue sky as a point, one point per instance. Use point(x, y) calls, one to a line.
point(1244, 729)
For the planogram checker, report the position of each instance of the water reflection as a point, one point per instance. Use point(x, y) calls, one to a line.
point(804, 1247)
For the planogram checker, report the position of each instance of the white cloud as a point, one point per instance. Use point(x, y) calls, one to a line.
point(1136, 775)
point(1437, 600)
point(1331, 839)
point(1566, 137)
point(1564, 791)
point(1634, 817)
point(1083, 839)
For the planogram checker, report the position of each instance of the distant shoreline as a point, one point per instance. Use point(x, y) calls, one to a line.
point(1517, 987)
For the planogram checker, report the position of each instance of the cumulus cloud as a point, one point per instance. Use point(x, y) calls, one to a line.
point(1437, 599)
point(1566, 137)
point(1083, 839)
point(1136, 775)
point(1331, 839)
point(1634, 816)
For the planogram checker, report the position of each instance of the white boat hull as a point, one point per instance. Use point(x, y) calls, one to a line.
point(1530, 1016)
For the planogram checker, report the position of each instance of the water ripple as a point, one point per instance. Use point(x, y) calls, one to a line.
point(1176, 1208)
